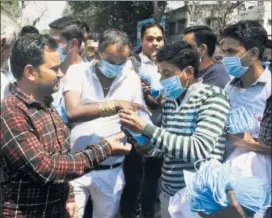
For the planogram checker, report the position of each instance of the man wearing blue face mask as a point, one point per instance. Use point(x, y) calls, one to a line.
point(193, 119)
point(243, 46)
point(71, 38)
point(94, 93)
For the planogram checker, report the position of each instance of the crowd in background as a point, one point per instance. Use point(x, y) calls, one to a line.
point(91, 127)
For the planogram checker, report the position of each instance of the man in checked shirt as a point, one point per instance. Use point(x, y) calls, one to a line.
point(34, 148)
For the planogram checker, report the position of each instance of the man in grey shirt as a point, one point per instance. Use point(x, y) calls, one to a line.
point(204, 39)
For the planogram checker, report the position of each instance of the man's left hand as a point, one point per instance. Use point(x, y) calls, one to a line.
point(132, 121)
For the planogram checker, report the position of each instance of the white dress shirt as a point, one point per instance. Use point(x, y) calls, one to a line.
point(82, 78)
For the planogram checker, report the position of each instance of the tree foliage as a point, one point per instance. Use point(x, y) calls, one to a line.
point(11, 8)
point(123, 15)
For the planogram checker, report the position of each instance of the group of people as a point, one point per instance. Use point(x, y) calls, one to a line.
point(90, 128)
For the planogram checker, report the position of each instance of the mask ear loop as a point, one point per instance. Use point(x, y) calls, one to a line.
point(250, 61)
point(186, 86)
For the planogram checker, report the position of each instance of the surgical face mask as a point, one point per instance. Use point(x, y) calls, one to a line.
point(172, 87)
point(62, 56)
point(61, 50)
point(234, 66)
point(266, 64)
point(241, 120)
point(111, 70)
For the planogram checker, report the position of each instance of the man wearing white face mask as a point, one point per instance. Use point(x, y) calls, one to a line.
point(243, 46)
point(193, 119)
point(94, 93)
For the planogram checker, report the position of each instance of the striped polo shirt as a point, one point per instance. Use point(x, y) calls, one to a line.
point(191, 131)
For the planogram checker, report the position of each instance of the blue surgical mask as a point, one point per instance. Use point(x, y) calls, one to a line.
point(172, 87)
point(111, 70)
point(234, 66)
point(62, 56)
point(240, 120)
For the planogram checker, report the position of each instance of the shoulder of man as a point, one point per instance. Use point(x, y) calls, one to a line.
point(136, 62)
point(211, 91)
point(11, 105)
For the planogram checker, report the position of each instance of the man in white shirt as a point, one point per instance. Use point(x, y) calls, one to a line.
point(243, 46)
point(71, 38)
point(9, 33)
point(94, 93)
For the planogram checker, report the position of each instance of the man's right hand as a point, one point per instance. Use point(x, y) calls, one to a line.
point(117, 147)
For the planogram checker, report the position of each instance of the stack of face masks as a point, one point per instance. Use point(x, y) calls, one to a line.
point(207, 189)
point(240, 120)
point(152, 79)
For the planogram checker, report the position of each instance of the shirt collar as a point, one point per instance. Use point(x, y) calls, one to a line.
point(263, 79)
point(145, 59)
point(16, 91)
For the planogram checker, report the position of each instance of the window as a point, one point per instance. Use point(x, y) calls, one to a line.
point(172, 28)
point(181, 26)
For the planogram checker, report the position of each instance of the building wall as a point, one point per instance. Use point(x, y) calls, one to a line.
point(176, 22)
point(179, 19)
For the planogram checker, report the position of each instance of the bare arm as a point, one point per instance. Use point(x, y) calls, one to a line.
point(78, 112)
point(246, 141)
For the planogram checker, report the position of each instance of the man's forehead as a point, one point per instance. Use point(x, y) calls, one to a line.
point(153, 32)
point(115, 48)
point(230, 43)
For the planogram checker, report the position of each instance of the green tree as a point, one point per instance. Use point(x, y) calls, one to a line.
point(123, 15)
point(12, 8)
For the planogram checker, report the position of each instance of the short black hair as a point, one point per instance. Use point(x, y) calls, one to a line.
point(29, 49)
point(203, 35)
point(86, 26)
point(249, 33)
point(180, 53)
point(269, 44)
point(28, 29)
point(148, 26)
point(62, 22)
point(196, 28)
point(113, 36)
point(94, 36)
point(73, 32)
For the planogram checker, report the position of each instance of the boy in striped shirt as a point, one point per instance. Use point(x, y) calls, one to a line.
point(193, 120)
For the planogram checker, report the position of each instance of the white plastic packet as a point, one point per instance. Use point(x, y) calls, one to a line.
point(179, 206)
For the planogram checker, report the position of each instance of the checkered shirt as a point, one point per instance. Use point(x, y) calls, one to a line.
point(36, 160)
point(265, 135)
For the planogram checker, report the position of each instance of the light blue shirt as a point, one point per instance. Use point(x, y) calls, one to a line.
point(253, 97)
point(251, 163)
